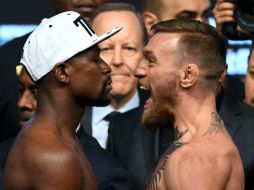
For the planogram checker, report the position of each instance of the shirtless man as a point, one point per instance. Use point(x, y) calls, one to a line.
point(62, 58)
point(184, 60)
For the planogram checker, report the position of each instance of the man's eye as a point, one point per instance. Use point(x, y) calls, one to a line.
point(130, 48)
point(129, 51)
point(104, 49)
point(251, 72)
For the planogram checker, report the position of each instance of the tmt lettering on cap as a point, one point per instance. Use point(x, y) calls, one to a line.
point(81, 21)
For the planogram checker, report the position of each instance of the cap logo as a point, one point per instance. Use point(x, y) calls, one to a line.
point(83, 23)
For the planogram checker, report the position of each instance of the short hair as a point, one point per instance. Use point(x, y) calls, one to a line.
point(200, 42)
point(120, 7)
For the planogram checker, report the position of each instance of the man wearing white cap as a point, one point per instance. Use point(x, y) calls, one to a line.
point(62, 58)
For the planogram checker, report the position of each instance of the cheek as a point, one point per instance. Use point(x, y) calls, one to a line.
point(249, 87)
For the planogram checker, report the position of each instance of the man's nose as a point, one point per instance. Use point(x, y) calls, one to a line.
point(26, 100)
point(117, 58)
point(140, 71)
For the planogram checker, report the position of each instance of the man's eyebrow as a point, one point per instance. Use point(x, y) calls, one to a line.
point(190, 13)
point(148, 54)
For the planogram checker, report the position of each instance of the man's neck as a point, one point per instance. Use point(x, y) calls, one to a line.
point(194, 119)
point(64, 117)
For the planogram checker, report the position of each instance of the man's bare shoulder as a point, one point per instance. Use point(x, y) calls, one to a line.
point(41, 159)
point(194, 166)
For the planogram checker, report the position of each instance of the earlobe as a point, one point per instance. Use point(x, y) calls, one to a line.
point(189, 75)
point(149, 20)
point(222, 79)
point(60, 73)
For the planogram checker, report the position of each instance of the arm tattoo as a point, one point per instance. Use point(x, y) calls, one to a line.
point(156, 175)
point(216, 125)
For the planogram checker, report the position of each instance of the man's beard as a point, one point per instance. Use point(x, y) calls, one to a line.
point(103, 98)
point(160, 112)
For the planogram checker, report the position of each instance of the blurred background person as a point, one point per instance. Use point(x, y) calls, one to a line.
point(159, 10)
point(249, 81)
point(235, 20)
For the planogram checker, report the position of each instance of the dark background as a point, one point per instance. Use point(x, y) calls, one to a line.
point(31, 11)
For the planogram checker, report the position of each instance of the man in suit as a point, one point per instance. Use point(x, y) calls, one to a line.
point(122, 134)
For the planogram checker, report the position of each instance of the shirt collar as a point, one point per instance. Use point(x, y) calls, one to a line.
point(98, 113)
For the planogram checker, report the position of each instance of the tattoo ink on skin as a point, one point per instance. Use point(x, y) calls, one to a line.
point(216, 125)
point(178, 134)
point(156, 175)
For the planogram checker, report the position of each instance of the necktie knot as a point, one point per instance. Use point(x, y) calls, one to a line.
point(111, 116)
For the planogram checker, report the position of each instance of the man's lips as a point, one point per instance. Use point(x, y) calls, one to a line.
point(109, 84)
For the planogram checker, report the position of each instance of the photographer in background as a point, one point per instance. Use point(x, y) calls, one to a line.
point(236, 20)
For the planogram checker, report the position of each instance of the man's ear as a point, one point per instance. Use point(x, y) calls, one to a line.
point(149, 20)
point(223, 76)
point(189, 75)
point(60, 72)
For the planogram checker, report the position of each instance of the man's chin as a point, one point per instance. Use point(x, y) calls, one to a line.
point(103, 103)
point(157, 116)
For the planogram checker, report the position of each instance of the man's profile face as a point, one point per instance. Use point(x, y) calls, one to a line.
point(27, 97)
point(90, 78)
point(192, 9)
point(249, 82)
point(83, 7)
point(123, 51)
point(161, 78)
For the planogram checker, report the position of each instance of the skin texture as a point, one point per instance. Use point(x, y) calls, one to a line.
point(27, 97)
point(122, 52)
point(83, 7)
point(170, 9)
point(249, 82)
point(50, 156)
point(203, 155)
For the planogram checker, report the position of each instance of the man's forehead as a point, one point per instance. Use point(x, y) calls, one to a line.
point(162, 41)
point(178, 6)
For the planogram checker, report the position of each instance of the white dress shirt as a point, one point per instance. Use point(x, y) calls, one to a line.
point(100, 126)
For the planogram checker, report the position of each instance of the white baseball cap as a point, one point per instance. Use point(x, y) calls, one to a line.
point(56, 40)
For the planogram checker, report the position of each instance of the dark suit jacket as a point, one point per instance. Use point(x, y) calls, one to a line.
point(108, 172)
point(136, 148)
point(239, 121)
